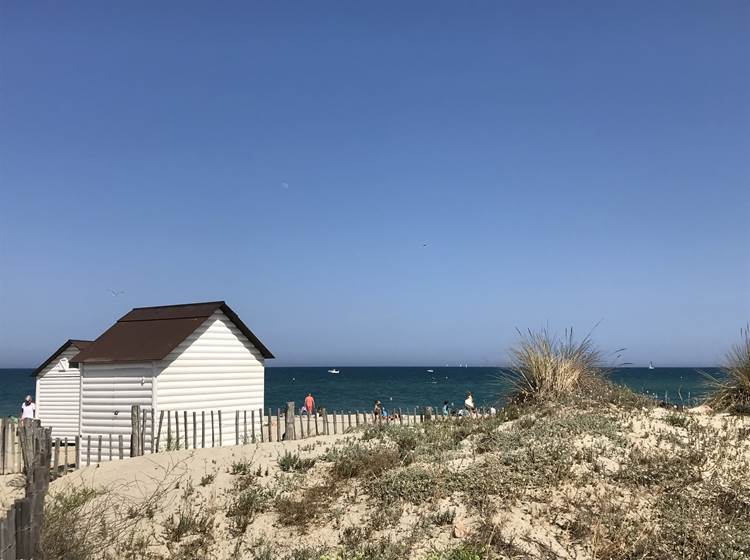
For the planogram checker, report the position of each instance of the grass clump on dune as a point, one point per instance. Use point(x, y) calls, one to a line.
point(732, 393)
point(545, 366)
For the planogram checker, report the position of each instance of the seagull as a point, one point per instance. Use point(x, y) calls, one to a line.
point(424, 244)
point(116, 293)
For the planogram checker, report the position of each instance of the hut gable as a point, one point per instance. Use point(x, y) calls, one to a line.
point(215, 367)
point(151, 333)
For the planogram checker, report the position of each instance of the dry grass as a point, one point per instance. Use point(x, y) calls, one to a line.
point(545, 366)
point(732, 393)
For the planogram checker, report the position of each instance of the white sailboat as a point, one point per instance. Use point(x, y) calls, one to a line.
point(334, 371)
point(651, 365)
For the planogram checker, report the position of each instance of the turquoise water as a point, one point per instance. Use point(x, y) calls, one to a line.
point(355, 388)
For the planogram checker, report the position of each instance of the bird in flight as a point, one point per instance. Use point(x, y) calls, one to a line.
point(424, 244)
point(116, 293)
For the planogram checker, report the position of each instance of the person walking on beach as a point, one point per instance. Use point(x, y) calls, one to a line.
point(28, 408)
point(445, 408)
point(309, 404)
point(377, 411)
point(469, 405)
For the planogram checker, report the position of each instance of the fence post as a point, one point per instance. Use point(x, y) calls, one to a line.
point(270, 427)
point(203, 429)
point(88, 451)
point(99, 451)
point(236, 427)
point(278, 424)
point(77, 464)
point(252, 426)
point(213, 437)
point(158, 432)
point(221, 437)
point(260, 424)
point(120, 446)
point(135, 432)
point(427, 413)
point(195, 431)
point(151, 446)
point(56, 460)
point(335, 424)
point(176, 429)
point(301, 429)
point(290, 430)
point(65, 468)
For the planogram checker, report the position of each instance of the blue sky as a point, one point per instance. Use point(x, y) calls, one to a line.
point(565, 163)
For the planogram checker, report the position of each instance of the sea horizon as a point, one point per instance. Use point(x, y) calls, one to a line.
point(356, 387)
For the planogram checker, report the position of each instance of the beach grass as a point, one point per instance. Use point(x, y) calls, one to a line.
point(732, 392)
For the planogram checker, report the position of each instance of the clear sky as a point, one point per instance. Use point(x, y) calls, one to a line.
point(563, 162)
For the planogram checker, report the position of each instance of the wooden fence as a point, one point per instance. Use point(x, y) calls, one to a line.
point(20, 530)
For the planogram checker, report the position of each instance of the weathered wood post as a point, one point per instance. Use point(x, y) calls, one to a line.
point(221, 436)
point(185, 424)
point(278, 424)
point(99, 450)
point(213, 438)
point(135, 432)
point(309, 413)
point(120, 447)
point(260, 425)
point(78, 452)
point(158, 432)
point(195, 431)
point(335, 424)
point(236, 427)
point(56, 460)
point(325, 422)
point(176, 429)
point(88, 450)
point(151, 446)
point(270, 427)
point(110, 445)
point(203, 429)
point(400, 418)
point(427, 413)
point(290, 430)
point(169, 431)
point(252, 427)
point(244, 425)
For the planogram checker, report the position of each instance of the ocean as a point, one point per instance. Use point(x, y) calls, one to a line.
point(355, 388)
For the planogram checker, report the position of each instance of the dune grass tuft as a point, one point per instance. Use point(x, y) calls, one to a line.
point(732, 392)
point(545, 366)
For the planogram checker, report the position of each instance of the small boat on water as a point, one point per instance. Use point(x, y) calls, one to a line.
point(651, 365)
point(430, 371)
point(334, 371)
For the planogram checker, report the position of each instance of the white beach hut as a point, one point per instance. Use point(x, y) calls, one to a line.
point(58, 390)
point(193, 357)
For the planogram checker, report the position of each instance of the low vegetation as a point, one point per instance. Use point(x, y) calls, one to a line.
point(731, 392)
point(573, 467)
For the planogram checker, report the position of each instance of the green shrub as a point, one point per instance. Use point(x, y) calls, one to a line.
point(289, 462)
point(356, 460)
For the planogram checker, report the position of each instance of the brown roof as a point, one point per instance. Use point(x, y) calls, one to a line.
point(79, 344)
point(150, 333)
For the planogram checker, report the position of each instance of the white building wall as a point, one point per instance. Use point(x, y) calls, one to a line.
point(58, 397)
point(215, 368)
point(107, 393)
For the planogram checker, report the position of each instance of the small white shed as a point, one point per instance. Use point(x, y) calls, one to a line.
point(58, 390)
point(193, 357)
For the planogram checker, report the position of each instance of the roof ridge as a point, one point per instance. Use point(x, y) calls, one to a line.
point(218, 302)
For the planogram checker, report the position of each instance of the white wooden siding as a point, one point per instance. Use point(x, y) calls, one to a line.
point(215, 368)
point(107, 393)
point(58, 396)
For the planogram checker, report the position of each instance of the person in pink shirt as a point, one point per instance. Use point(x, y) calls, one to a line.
point(309, 404)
